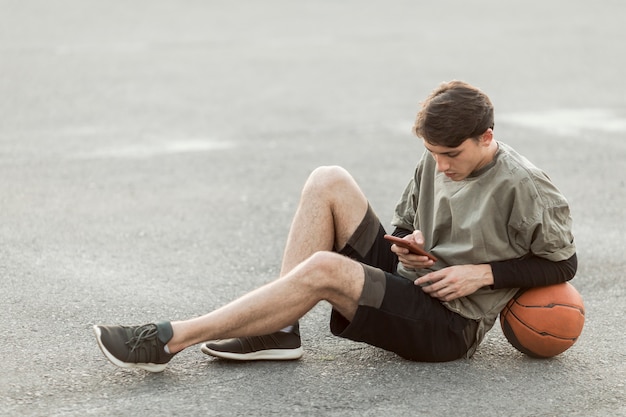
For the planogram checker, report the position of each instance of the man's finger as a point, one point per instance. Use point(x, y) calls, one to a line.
point(430, 278)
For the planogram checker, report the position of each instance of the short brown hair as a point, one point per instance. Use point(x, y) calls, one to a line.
point(452, 113)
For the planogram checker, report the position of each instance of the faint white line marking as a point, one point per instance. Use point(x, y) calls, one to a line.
point(568, 121)
point(149, 150)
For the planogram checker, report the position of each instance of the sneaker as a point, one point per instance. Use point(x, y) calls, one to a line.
point(274, 347)
point(136, 346)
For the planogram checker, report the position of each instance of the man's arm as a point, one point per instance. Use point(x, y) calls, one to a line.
point(532, 271)
point(461, 280)
point(400, 232)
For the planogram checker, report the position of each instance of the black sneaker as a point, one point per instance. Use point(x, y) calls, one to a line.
point(274, 347)
point(136, 346)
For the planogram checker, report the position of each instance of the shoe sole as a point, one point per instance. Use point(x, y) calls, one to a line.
point(151, 367)
point(262, 355)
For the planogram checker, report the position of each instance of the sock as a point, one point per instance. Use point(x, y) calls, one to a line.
point(166, 349)
point(287, 329)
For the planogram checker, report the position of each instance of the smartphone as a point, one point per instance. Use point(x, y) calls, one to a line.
point(413, 248)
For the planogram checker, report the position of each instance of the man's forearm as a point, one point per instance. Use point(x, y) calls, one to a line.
point(532, 272)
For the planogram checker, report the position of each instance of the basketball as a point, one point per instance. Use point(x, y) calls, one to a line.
point(544, 321)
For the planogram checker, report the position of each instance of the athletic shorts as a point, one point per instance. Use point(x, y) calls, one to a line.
point(393, 312)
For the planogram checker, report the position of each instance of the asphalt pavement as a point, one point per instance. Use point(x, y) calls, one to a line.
point(151, 158)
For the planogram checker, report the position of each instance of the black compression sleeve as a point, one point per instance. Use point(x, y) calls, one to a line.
point(400, 232)
point(532, 272)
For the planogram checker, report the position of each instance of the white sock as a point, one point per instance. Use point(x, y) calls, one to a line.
point(287, 329)
point(167, 349)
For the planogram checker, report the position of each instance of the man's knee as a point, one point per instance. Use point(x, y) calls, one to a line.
point(330, 270)
point(329, 172)
point(323, 262)
point(328, 178)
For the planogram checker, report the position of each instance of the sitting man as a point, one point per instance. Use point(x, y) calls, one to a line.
point(494, 221)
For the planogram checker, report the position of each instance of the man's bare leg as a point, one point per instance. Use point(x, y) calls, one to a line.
point(323, 276)
point(331, 207)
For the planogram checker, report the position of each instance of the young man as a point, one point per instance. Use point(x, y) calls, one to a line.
point(494, 221)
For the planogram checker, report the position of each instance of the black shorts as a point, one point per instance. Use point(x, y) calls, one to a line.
point(394, 313)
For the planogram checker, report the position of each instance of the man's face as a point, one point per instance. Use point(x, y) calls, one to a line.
point(458, 163)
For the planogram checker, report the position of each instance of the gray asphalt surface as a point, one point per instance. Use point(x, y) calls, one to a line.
point(151, 156)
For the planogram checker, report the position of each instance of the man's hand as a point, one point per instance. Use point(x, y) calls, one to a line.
point(411, 260)
point(456, 281)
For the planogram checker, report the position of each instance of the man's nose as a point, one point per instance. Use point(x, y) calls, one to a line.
point(442, 164)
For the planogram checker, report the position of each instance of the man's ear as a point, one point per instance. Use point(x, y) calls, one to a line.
point(487, 137)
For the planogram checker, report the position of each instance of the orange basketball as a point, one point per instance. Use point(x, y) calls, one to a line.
point(544, 321)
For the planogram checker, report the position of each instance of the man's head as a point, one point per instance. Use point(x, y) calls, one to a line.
point(456, 124)
point(454, 112)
